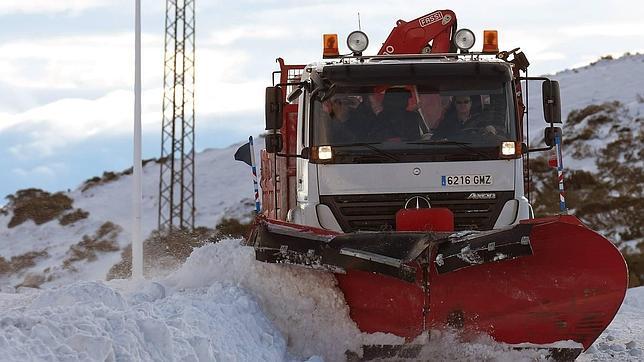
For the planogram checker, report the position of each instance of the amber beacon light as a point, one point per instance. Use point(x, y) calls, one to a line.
point(490, 41)
point(330, 46)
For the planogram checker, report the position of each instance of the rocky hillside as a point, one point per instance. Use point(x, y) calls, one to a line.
point(604, 158)
point(53, 238)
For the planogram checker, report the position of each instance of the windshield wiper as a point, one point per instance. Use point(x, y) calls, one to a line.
point(438, 142)
point(371, 147)
point(463, 145)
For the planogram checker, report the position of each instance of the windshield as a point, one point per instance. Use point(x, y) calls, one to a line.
point(440, 113)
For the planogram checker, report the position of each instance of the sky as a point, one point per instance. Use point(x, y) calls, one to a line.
point(67, 67)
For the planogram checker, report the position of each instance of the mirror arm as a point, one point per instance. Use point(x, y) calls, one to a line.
point(534, 78)
point(540, 149)
point(291, 156)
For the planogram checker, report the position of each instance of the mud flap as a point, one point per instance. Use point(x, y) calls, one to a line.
point(386, 253)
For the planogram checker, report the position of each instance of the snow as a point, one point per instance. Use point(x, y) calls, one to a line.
point(102, 322)
point(305, 305)
point(223, 305)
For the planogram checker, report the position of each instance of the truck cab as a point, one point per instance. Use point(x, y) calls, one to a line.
point(354, 139)
point(402, 145)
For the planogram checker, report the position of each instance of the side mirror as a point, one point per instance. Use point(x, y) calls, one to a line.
point(551, 101)
point(295, 94)
point(273, 106)
point(550, 134)
point(274, 143)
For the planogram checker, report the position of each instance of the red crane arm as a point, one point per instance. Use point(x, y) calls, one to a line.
point(412, 37)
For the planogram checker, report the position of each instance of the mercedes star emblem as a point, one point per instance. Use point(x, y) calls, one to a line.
point(417, 202)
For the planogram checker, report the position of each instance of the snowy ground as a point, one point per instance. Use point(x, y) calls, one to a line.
point(623, 340)
point(222, 305)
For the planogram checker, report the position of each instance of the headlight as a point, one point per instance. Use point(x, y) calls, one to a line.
point(325, 153)
point(508, 149)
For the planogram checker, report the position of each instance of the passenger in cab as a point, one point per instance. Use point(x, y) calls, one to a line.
point(395, 122)
point(433, 108)
point(347, 119)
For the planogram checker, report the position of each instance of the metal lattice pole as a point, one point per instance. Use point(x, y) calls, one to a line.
point(176, 181)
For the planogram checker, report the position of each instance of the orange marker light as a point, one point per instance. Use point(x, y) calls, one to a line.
point(330, 46)
point(490, 41)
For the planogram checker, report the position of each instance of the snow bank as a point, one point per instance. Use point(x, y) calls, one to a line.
point(223, 305)
point(99, 322)
point(305, 305)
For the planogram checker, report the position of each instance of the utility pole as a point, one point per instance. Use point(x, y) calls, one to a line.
point(176, 181)
point(137, 189)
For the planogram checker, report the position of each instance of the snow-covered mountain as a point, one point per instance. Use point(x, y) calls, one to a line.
point(47, 253)
point(221, 304)
point(605, 80)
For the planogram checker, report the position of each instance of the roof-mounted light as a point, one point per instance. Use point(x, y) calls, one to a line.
point(330, 46)
point(464, 39)
point(357, 41)
point(490, 41)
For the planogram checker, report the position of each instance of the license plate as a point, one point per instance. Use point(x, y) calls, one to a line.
point(466, 180)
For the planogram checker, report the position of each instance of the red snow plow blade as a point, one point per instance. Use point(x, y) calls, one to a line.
point(540, 282)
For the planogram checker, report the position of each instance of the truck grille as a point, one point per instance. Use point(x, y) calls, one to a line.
point(376, 212)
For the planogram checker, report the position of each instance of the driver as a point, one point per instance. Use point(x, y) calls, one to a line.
point(463, 105)
point(461, 119)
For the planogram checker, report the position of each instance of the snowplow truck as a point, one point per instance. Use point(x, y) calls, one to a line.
point(405, 174)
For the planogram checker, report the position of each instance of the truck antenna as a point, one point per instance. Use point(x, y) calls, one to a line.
point(359, 27)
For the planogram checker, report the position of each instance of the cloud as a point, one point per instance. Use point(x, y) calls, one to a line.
point(233, 35)
point(86, 61)
point(49, 6)
point(621, 29)
point(545, 56)
point(49, 171)
point(7, 120)
point(65, 122)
